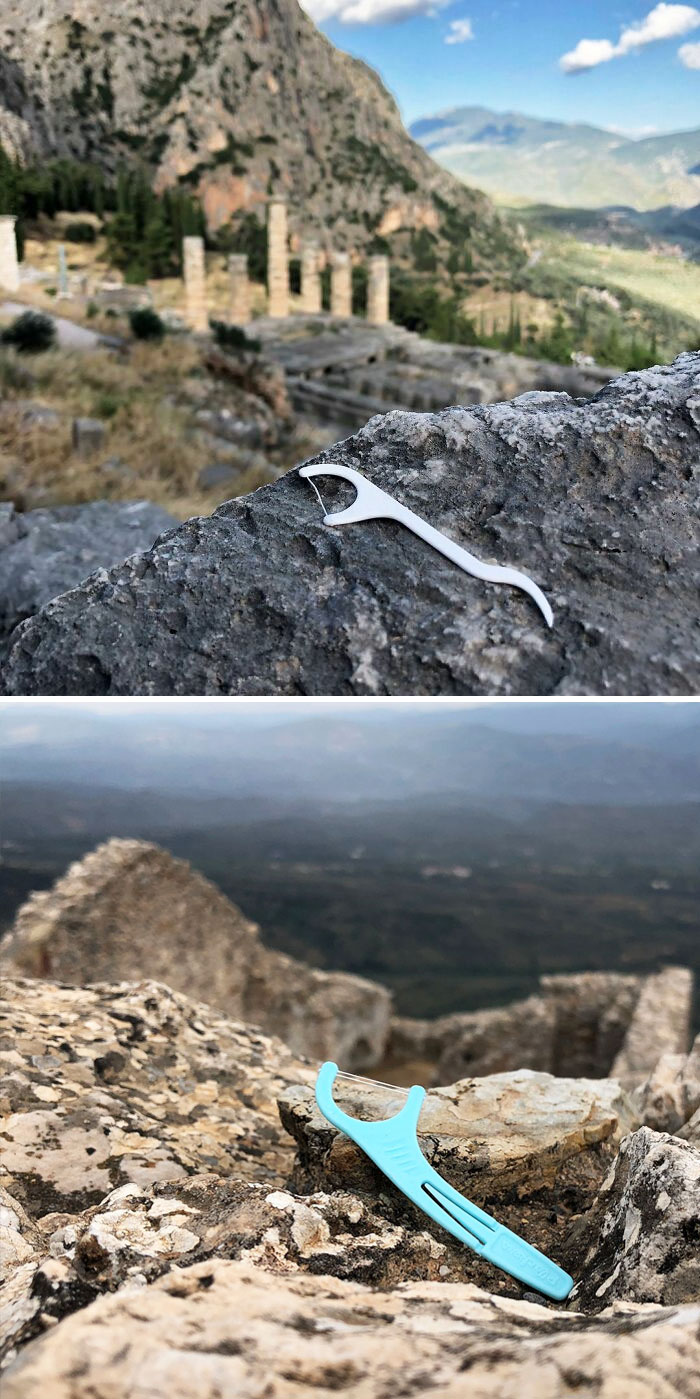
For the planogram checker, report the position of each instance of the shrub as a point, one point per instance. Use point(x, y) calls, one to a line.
point(80, 232)
point(232, 337)
point(146, 324)
point(30, 333)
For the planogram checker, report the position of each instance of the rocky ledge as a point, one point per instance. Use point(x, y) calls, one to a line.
point(162, 1233)
point(595, 500)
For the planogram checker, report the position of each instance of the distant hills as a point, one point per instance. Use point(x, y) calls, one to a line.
point(551, 162)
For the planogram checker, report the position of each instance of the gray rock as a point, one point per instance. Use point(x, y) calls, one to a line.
point(46, 552)
point(88, 436)
point(216, 474)
point(595, 500)
point(640, 1239)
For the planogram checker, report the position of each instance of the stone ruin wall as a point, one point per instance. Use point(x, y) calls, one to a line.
point(129, 910)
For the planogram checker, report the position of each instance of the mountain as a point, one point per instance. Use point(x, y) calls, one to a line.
point(553, 162)
point(232, 99)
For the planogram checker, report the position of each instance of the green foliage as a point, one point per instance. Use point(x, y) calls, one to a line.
point(80, 232)
point(359, 289)
point(146, 324)
point(30, 333)
point(144, 238)
point(362, 162)
point(295, 275)
point(423, 250)
point(106, 405)
point(245, 234)
point(233, 337)
point(419, 306)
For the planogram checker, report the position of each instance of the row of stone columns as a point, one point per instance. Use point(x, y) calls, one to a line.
point(239, 307)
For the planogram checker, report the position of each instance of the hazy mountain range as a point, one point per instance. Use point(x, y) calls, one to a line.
point(552, 162)
point(452, 855)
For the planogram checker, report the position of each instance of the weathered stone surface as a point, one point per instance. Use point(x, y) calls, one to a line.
point(529, 1147)
point(594, 500)
point(88, 436)
point(129, 909)
point(133, 1083)
point(575, 1024)
point(671, 1095)
point(223, 1328)
point(45, 552)
point(660, 1025)
point(641, 1239)
point(491, 1041)
point(139, 1232)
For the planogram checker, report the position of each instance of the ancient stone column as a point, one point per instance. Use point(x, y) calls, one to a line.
point(239, 285)
point(341, 285)
point(277, 265)
point(195, 284)
point(62, 271)
point(310, 279)
point(9, 265)
point(378, 291)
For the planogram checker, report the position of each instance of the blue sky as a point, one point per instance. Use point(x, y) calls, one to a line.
point(645, 61)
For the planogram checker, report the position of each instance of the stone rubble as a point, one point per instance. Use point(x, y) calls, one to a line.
point(157, 1234)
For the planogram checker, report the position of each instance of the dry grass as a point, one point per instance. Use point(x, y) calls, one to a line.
point(146, 401)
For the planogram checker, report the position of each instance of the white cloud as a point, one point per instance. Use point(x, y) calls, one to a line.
point(663, 22)
point(689, 55)
point(370, 11)
point(460, 31)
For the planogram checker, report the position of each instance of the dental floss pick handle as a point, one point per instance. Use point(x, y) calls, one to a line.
point(375, 504)
point(393, 1146)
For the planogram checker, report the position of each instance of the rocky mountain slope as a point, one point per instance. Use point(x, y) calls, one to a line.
point(594, 500)
point(232, 98)
point(176, 1219)
point(570, 163)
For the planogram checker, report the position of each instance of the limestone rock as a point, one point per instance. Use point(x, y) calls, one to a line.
point(129, 909)
point(139, 1232)
point(491, 1041)
point(671, 1095)
point(660, 1025)
point(528, 1147)
point(594, 500)
point(223, 1328)
point(640, 1240)
point(48, 551)
point(105, 1086)
point(575, 1024)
